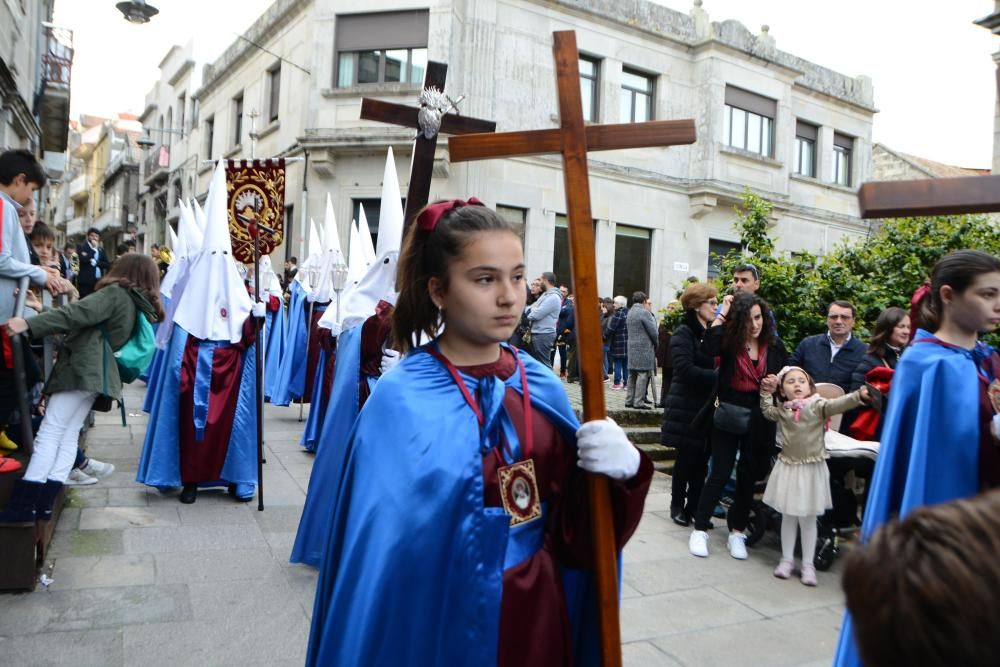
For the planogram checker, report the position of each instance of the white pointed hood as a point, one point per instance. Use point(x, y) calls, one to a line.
point(183, 241)
point(379, 281)
point(197, 229)
point(332, 256)
point(368, 250)
point(172, 240)
point(219, 306)
point(315, 245)
point(269, 283)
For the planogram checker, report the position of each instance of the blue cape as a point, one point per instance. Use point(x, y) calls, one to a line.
point(155, 366)
point(331, 447)
point(290, 380)
point(159, 464)
point(412, 570)
point(317, 406)
point(930, 443)
point(274, 348)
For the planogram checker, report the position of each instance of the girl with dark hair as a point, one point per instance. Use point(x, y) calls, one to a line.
point(939, 437)
point(742, 336)
point(891, 335)
point(460, 531)
point(85, 369)
point(693, 381)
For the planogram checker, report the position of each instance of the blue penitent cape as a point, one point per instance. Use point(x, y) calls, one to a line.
point(412, 572)
point(159, 464)
point(274, 347)
point(291, 372)
point(331, 448)
point(930, 443)
point(155, 366)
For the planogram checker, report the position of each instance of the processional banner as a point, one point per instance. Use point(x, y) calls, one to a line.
point(256, 192)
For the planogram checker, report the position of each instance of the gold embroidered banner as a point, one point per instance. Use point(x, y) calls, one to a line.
point(256, 195)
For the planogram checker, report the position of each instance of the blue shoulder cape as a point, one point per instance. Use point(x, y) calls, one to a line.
point(152, 374)
point(274, 347)
point(291, 372)
point(331, 448)
point(930, 443)
point(159, 463)
point(412, 570)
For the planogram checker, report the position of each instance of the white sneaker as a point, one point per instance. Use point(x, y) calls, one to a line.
point(738, 546)
point(79, 478)
point(698, 543)
point(95, 468)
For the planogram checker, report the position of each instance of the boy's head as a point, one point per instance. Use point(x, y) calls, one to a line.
point(795, 383)
point(20, 174)
point(42, 241)
point(26, 215)
point(923, 591)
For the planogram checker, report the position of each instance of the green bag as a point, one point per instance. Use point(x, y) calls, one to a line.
point(135, 355)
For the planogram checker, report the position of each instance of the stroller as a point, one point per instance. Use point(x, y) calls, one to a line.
point(847, 456)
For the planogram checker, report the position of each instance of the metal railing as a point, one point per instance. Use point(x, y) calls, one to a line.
point(57, 62)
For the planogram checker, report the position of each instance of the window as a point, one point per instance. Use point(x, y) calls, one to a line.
point(169, 138)
point(805, 149)
point(181, 110)
point(636, 97)
point(749, 121)
point(274, 92)
point(560, 250)
point(287, 235)
point(195, 108)
point(372, 210)
point(209, 135)
point(238, 120)
point(632, 250)
point(388, 47)
point(843, 146)
point(516, 216)
point(717, 251)
point(590, 70)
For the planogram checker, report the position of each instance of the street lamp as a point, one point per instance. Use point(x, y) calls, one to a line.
point(314, 273)
point(145, 141)
point(137, 11)
point(339, 282)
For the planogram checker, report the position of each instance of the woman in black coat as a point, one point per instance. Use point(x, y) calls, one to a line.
point(892, 333)
point(742, 336)
point(692, 386)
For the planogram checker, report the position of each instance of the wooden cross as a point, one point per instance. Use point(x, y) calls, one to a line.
point(573, 140)
point(930, 196)
point(422, 162)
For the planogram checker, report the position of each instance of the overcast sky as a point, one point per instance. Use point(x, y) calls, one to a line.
point(931, 67)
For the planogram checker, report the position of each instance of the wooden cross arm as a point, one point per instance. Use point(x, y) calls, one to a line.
point(400, 114)
point(931, 196)
point(599, 138)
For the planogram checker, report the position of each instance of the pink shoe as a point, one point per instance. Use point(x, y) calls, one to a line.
point(616, 386)
point(808, 574)
point(784, 569)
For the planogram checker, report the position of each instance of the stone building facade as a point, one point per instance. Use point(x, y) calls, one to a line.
point(793, 131)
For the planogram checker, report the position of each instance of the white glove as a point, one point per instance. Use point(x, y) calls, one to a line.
point(390, 358)
point(603, 448)
point(93, 261)
point(258, 309)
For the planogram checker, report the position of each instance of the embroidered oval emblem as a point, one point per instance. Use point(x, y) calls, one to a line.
point(223, 313)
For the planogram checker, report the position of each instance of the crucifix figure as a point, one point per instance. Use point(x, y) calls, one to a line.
point(429, 120)
point(573, 140)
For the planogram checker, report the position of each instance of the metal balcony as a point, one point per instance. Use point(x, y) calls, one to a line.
point(53, 103)
point(156, 165)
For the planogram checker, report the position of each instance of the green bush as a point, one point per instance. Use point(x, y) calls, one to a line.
point(880, 271)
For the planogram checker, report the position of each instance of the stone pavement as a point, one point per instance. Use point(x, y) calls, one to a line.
point(140, 579)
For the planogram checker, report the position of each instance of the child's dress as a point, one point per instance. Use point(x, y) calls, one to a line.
point(799, 484)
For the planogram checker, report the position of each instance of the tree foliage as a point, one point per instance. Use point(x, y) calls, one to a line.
point(874, 273)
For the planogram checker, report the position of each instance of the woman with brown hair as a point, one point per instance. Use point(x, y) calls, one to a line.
point(95, 326)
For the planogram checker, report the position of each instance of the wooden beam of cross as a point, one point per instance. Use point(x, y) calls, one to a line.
point(422, 162)
point(930, 196)
point(573, 140)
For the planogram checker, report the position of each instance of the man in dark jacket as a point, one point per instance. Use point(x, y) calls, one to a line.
point(832, 356)
point(93, 262)
point(567, 334)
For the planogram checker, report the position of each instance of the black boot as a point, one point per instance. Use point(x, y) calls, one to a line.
point(21, 506)
point(189, 494)
point(46, 499)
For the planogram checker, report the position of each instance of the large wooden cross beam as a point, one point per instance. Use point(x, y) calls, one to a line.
point(422, 162)
point(573, 140)
point(930, 196)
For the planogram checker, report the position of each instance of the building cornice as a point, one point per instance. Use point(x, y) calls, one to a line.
point(181, 71)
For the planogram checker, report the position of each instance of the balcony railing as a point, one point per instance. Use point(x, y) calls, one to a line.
point(57, 62)
point(157, 164)
point(76, 226)
point(78, 188)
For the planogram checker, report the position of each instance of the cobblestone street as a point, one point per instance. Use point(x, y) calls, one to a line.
point(140, 579)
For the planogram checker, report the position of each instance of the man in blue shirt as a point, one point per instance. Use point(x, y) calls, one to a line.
point(543, 315)
point(832, 356)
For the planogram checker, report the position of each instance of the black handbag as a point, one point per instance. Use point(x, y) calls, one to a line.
point(731, 418)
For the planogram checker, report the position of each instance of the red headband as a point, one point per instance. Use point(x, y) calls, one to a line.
point(429, 217)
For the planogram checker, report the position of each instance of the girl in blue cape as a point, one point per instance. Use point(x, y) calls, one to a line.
point(460, 534)
point(939, 439)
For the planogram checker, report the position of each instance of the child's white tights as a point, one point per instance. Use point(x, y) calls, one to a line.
point(807, 524)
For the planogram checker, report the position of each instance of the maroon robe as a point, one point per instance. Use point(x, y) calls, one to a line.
point(534, 625)
point(316, 336)
point(374, 333)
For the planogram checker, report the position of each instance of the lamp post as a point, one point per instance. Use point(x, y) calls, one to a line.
point(137, 11)
point(339, 282)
